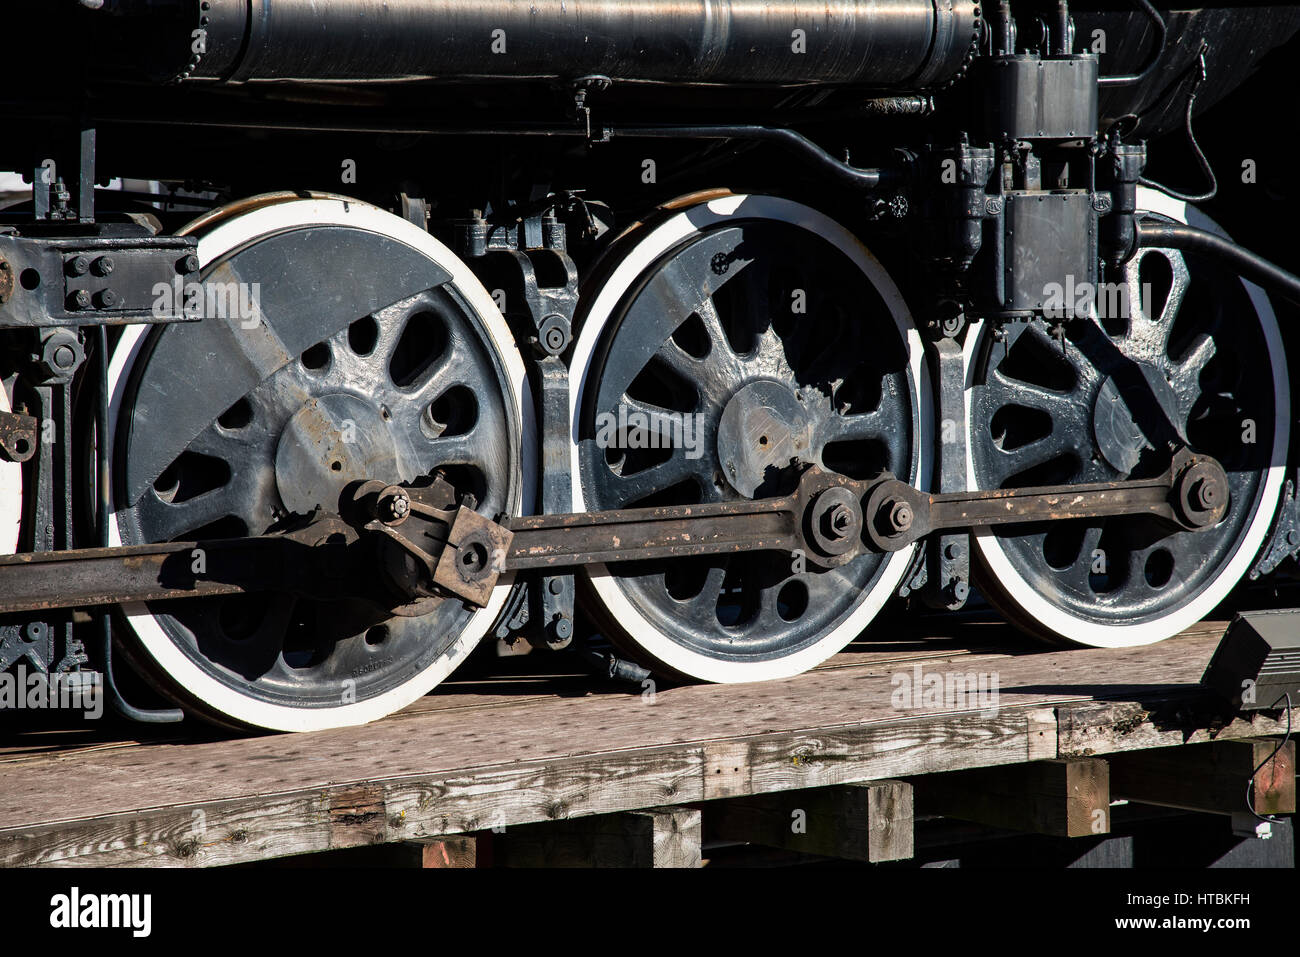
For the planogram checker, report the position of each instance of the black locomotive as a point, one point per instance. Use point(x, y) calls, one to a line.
point(338, 336)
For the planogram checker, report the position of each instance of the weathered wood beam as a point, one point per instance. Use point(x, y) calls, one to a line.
point(1161, 721)
point(1060, 797)
point(870, 821)
point(655, 837)
point(417, 806)
point(1209, 777)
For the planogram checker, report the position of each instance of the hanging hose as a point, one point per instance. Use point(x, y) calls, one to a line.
point(1204, 163)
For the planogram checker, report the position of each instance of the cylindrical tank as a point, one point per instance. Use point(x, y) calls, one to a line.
point(896, 44)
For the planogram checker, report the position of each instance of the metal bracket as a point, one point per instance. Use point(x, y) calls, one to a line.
point(108, 276)
point(1284, 541)
point(18, 436)
point(947, 556)
point(553, 596)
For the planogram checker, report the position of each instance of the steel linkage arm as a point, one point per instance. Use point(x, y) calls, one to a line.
point(406, 548)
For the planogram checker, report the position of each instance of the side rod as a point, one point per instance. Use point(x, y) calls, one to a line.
point(829, 518)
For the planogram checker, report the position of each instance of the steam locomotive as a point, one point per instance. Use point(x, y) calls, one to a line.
point(339, 336)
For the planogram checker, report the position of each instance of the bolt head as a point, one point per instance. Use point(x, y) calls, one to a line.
point(78, 265)
point(103, 266)
point(64, 357)
point(837, 521)
point(901, 516)
point(1207, 494)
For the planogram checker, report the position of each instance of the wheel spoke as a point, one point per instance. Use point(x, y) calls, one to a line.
point(1054, 403)
point(168, 521)
point(1007, 464)
point(858, 425)
point(455, 366)
point(1080, 570)
point(657, 478)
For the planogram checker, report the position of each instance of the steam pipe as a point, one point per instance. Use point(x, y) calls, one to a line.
point(1250, 265)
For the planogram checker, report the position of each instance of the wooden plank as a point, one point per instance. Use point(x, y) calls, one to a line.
point(666, 837)
point(504, 752)
point(1061, 797)
point(871, 821)
point(474, 799)
point(1159, 721)
point(1210, 777)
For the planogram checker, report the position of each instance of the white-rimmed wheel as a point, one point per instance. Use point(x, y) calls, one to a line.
point(351, 345)
point(1195, 360)
point(732, 343)
point(11, 494)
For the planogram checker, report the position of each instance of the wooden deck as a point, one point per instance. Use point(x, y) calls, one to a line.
point(497, 752)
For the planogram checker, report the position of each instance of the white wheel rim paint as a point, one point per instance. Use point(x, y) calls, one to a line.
point(11, 495)
point(229, 235)
point(658, 241)
point(1072, 628)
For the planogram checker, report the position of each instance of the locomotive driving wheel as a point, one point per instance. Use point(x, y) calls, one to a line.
point(1195, 362)
point(355, 346)
point(734, 343)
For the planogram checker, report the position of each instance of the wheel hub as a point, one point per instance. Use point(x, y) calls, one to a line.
point(331, 441)
point(763, 429)
point(1119, 438)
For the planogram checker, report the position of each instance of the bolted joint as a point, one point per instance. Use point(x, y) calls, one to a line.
point(553, 334)
point(897, 517)
point(833, 522)
point(837, 522)
point(61, 354)
point(1206, 494)
point(393, 505)
point(1200, 494)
